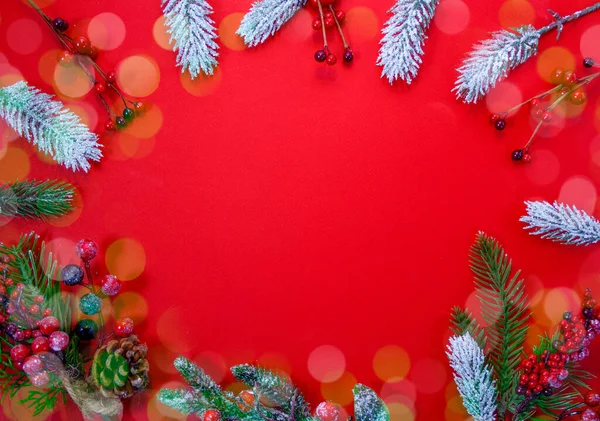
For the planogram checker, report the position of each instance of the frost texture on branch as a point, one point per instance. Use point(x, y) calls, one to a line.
point(561, 223)
point(48, 125)
point(473, 377)
point(265, 18)
point(492, 59)
point(192, 35)
point(404, 35)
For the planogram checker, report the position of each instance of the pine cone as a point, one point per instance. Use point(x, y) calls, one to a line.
point(120, 367)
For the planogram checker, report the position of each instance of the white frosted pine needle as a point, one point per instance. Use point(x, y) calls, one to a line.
point(404, 35)
point(192, 35)
point(473, 377)
point(265, 18)
point(47, 124)
point(561, 223)
point(492, 59)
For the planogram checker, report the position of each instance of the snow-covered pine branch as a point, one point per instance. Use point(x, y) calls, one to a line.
point(265, 18)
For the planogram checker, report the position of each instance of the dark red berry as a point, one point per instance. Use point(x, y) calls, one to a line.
point(60, 25)
point(592, 398)
point(588, 62)
point(348, 56)
point(517, 155)
point(500, 124)
point(320, 56)
point(100, 87)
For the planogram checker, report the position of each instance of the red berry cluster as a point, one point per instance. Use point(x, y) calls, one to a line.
point(588, 410)
point(77, 49)
point(547, 371)
point(567, 87)
point(329, 17)
point(29, 326)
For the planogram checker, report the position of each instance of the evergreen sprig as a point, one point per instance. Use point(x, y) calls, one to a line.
point(45, 123)
point(193, 35)
point(473, 377)
point(36, 199)
point(462, 322)
point(404, 36)
point(265, 18)
point(561, 223)
point(506, 312)
point(492, 59)
point(274, 397)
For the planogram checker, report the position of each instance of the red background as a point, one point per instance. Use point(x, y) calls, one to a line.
point(296, 205)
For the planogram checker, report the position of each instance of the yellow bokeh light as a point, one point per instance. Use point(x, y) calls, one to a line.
point(126, 259)
point(14, 165)
point(72, 81)
point(391, 362)
point(227, 35)
point(516, 13)
point(132, 305)
point(400, 412)
point(159, 31)
point(362, 23)
point(138, 76)
point(173, 331)
point(201, 85)
point(339, 391)
point(553, 58)
point(326, 363)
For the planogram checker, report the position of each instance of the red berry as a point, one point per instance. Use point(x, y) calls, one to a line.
point(494, 118)
point(329, 22)
point(526, 157)
point(9, 282)
point(123, 327)
point(589, 415)
point(109, 126)
point(38, 299)
point(40, 345)
point(110, 285)
point(140, 107)
point(569, 78)
point(59, 341)
point(331, 59)
point(538, 113)
point(46, 312)
point(49, 325)
point(317, 24)
point(100, 87)
point(93, 52)
point(211, 415)
point(37, 333)
point(34, 309)
point(577, 97)
point(40, 379)
point(556, 77)
point(547, 117)
point(33, 365)
point(111, 76)
point(82, 45)
point(535, 102)
point(327, 411)
point(524, 379)
point(340, 15)
point(314, 3)
point(86, 250)
point(327, 2)
point(19, 352)
point(592, 398)
point(65, 58)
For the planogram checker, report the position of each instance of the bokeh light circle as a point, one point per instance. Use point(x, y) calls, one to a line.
point(516, 13)
point(173, 331)
point(161, 36)
point(24, 36)
point(201, 85)
point(299, 29)
point(146, 125)
point(132, 305)
point(579, 191)
point(339, 391)
point(452, 16)
point(502, 97)
point(14, 165)
point(125, 258)
point(72, 81)
point(362, 24)
point(106, 31)
point(552, 58)
point(213, 364)
point(429, 375)
point(589, 45)
point(391, 362)
point(227, 35)
point(400, 412)
point(276, 362)
point(138, 76)
point(559, 300)
point(326, 363)
point(47, 64)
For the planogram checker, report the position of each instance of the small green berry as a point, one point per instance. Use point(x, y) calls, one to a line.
point(90, 304)
point(128, 114)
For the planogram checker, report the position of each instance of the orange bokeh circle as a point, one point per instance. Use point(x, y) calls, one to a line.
point(202, 85)
point(138, 76)
point(227, 35)
point(126, 259)
point(14, 165)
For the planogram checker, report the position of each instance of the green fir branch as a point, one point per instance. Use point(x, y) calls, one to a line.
point(36, 199)
point(505, 311)
point(462, 322)
point(41, 400)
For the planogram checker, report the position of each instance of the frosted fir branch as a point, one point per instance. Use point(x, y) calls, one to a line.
point(50, 126)
point(193, 35)
point(265, 18)
point(404, 35)
point(561, 223)
point(198, 380)
point(368, 406)
point(492, 59)
point(473, 377)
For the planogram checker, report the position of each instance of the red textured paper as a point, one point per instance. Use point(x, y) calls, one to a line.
point(296, 205)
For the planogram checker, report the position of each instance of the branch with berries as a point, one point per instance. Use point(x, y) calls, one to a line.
point(80, 51)
point(493, 59)
point(270, 397)
point(568, 89)
point(47, 353)
point(493, 374)
point(266, 17)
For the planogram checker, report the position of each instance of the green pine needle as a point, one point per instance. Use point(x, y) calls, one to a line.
point(462, 322)
point(36, 199)
point(50, 126)
point(505, 310)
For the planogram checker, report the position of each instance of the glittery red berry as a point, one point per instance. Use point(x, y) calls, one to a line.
point(211, 415)
point(59, 341)
point(40, 379)
point(18, 353)
point(327, 411)
point(589, 415)
point(46, 312)
point(33, 365)
point(40, 345)
point(38, 299)
point(592, 398)
point(123, 327)
point(49, 325)
point(86, 250)
point(110, 285)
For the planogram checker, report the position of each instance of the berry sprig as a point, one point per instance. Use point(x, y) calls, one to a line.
point(90, 304)
point(81, 51)
point(545, 372)
point(327, 20)
point(589, 408)
point(567, 87)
